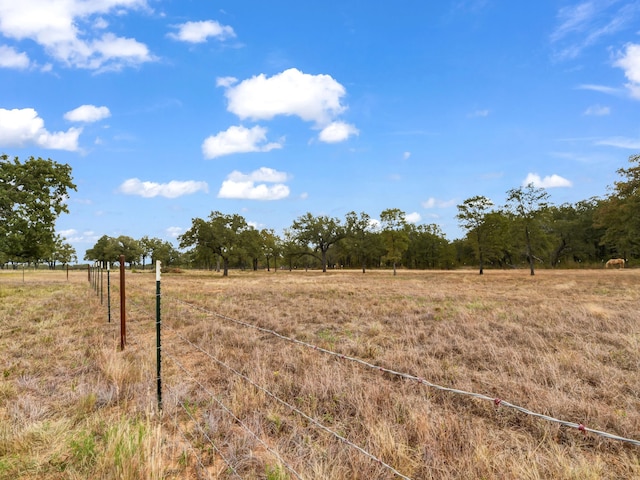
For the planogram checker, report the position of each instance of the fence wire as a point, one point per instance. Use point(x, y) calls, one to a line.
point(498, 402)
point(310, 419)
point(235, 417)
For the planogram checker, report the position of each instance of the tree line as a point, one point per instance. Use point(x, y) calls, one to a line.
point(526, 231)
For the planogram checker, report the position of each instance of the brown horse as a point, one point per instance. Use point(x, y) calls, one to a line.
point(615, 261)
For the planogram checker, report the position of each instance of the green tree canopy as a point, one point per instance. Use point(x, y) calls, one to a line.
point(220, 235)
point(33, 194)
point(526, 204)
point(395, 234)
point(319, 233)
point(471, 216)
point(618, 213)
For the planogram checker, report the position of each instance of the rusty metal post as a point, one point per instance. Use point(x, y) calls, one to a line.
point(123, 312)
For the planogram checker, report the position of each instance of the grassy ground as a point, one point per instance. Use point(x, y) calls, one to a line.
point(560, 343)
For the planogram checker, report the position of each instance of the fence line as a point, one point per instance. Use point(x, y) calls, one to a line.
point(294, 409)
point(495, 400)
point(240, 422)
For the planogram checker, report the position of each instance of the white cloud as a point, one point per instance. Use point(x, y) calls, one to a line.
point(597, 110)
point(238, 139)
point(337, 132)
point(173, 189)
point(23, 127)
point(225, 81)
point(313, 98)
point(620, 142)
point(243, 186)
point(71, 232)
point(199, 32)
point(174, 232)
point(74, 236)
point(434, 203)
point(66, 30)
point(263, 174)
point(414, 217)
point(11, 58)
point(406, 155)
point(550, 181)
point(629, 61)
point(87, 114)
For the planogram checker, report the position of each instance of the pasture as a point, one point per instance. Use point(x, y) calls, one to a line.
point(287, 399)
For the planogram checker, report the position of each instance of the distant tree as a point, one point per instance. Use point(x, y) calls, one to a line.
point(428, 247)
point(252, 245)
point(221, 235)
point(200, 237)
point(270, 247)
point(157, 250)
point(394, 234)
point(146, 246)
point(62, 253)
point(359, 232)
point(618, 213)
point(319, 233)
point(130, 248)
point(527, 204)
point(105, 250)
point(573, 233)
point(33, 194)
point(471, 216)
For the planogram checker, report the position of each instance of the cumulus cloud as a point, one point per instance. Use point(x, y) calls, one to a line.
point(67, 31)
point(174, 232)
point(199, 32)
point(313, 98)
point(629, 61)
point(23, 127)
point(173, 189)
point(87, 114)
point(432, 202)
point(413, 217)
point(11, 58)
point(245, 186)
point(238, 139)
point(337, 132)
point(74, 236)
point(551, 181)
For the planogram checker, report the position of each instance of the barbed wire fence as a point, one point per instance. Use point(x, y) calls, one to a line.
point(198, 439)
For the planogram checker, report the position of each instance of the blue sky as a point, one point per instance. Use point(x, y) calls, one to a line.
point(168, 110)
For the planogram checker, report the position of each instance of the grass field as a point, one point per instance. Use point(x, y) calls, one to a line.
point(241, 402)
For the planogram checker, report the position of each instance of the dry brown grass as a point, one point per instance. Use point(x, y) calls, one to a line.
point(561, 343)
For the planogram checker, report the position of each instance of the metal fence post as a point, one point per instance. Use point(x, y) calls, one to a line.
point(123, 312)
point(108, 292)
point(158, 325)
